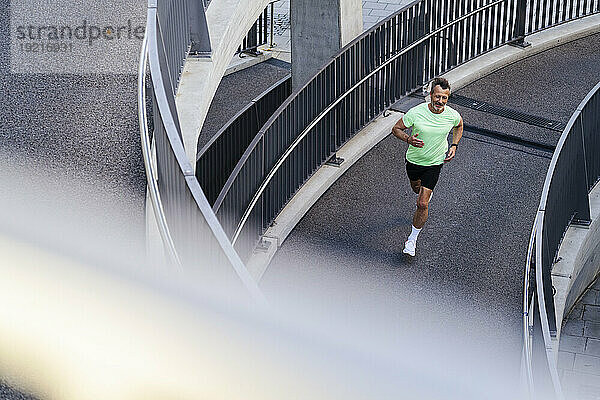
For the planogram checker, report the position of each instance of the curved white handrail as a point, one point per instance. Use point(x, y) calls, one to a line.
point(151, 50)
point(151, 174)
point(537, 238)
point(542, 308)
point(526, 309)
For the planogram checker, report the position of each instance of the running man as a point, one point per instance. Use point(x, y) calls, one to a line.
point(427, 147)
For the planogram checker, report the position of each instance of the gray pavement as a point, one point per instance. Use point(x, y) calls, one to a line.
point(579, 350)
point(236, 91)
point(74, 133)
point(8, 392)
point(375, 11)
point(551, 85)
point(471, 254)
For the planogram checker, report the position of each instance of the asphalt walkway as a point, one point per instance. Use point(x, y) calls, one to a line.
point(69, 145)
point(471, 253)
point(236, 91)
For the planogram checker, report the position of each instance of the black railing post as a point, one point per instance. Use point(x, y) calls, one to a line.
point(251, 47)
point(200, 46)
point(428, 62)
point(335, 161)
point(421, 47)
point(272, 25)
point(582, 212)
point(519, 27)
point(548, 289)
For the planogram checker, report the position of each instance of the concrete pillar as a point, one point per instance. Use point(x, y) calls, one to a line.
point(320, 28)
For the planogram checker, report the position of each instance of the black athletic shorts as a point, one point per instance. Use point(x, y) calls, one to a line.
point(428, 175)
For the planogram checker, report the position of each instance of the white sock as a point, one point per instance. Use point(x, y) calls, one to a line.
point(414, 234)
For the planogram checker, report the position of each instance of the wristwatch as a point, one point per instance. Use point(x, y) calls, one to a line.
point(454, 144)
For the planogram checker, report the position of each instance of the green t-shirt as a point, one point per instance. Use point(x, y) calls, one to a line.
point(433, 130)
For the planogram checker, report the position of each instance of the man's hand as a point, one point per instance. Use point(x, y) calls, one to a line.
point(456, 135)
point(451, 154)
point(413, 141)
point(399, 130)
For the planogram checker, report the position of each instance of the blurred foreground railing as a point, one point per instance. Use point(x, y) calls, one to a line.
point(187, 224)
point(573, 172)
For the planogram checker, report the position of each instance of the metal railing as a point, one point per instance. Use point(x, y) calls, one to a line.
point(573, 172)
point(217, 159)
point(544, 14)
point(187, 223)
point(396, 57)
point(260, 33)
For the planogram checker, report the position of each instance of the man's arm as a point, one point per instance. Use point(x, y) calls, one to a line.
point(399, 130)
point(456, 135)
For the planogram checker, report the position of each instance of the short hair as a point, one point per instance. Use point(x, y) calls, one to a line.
point(443, 82)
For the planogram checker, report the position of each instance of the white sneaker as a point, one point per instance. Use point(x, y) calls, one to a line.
point(410, 246)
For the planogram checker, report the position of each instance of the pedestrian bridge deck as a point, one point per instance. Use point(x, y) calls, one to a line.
point(471, 253)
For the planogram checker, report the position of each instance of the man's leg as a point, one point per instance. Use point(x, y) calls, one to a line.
point(428, 178)
point(422, 211)
point(418, 220)
point(415, 186)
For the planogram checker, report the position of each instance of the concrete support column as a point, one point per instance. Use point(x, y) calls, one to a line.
point(320, 28)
